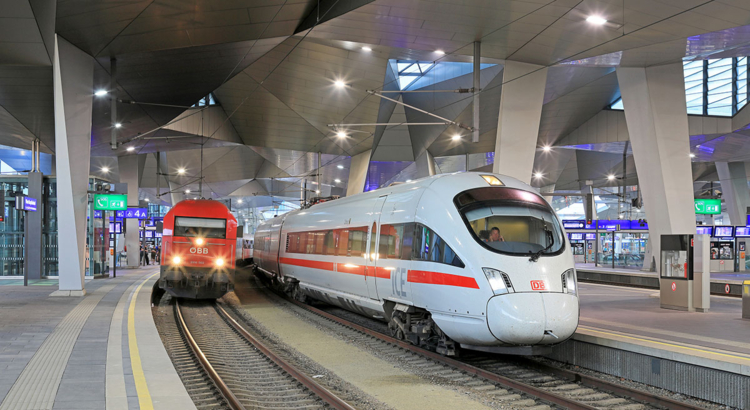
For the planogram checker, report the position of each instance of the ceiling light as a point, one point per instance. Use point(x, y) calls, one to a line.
point(538, 175)
point(118, 125)
point(365, 48)
point(147, 200)
point(130, 149)
point(105, 169)
point(546, 148)
point(239, 201)
point(341, 134)
point(408, 180)
point(339, 84)
point(100, 93)
point(692, 155)
point(340, 166)
point(317, 191)
point(441, 52)
point(610, 177)
point(181, 171)
point(337, 180)
point(23, 152)
point(596, 20)
point(456, 137)
point(187, 191)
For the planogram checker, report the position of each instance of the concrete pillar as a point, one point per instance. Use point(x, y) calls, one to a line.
point(32, 258)
point(656, 116)
point(425, 165)
point(734, 190)
point(518, 123)
point(131, 172)
point(73, 82)
point(358, 173)
point(174, 197)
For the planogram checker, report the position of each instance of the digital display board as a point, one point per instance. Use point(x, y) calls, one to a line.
point(742, 232)
point(590, 236)
point(705, 230)
point(723, 231)
point(575, 224)
point(576, 237)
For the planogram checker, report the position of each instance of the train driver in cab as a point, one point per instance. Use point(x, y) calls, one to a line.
point(495, 235)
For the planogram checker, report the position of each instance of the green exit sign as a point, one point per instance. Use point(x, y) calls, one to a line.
point(110, 202)
point(708, 206)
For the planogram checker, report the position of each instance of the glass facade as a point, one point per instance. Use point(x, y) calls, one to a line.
point(713, 87)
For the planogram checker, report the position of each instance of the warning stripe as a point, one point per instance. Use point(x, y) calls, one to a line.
point(439, 278)
point(413, 276)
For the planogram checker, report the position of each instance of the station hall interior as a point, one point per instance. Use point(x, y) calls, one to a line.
point(629, 118)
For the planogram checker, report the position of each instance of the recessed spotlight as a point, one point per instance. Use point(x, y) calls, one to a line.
point(538, 175)
point(118, 125)
point(365, 48)
point(441, 52)
point(546, 148)
point(317, 191)
point(239, 201)
point(692, 155)
point(181, 171)
point(341, 134)
point(340, 166)
point(101, 93)
point(337, 180)
point(596, 20)
point(130, 149)
point(105, 169)
point(147, 200)
point(456, 137)
point(610, 177)
point(187, 191)
point(339, 84)
point(408, 180)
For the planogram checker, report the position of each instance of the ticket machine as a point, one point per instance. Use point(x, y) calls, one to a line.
point(684, 272)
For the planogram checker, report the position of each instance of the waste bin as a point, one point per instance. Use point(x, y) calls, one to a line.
point(746, 299)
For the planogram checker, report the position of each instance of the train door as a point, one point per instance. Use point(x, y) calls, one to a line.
point(371, 261)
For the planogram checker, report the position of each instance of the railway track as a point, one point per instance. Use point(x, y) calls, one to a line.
point(233, 369)
point(521, 383)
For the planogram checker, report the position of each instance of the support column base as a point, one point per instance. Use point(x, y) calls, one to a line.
point(71, 293)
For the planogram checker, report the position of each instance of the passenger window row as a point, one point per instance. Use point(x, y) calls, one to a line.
point(409, 241)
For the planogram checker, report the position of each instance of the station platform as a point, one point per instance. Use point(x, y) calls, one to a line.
point(720, 281)
point(93, 352)
point(624, 332)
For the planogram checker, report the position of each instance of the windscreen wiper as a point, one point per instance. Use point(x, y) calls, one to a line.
point(547, 234)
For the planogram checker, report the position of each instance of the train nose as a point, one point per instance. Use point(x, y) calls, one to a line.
point(532, 318)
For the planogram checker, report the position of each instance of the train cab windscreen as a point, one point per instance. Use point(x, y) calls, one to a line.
point(200, 227)
point(511, 221)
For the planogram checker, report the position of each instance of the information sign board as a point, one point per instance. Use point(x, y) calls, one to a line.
point(110, 202)
point(707, 206)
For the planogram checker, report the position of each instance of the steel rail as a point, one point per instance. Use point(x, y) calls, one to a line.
point(589, 381)
point(231, 399)
point(510, 383)
point(330, 398)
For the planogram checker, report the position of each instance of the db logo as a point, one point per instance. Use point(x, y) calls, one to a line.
point(538, 285)
point(199, 251)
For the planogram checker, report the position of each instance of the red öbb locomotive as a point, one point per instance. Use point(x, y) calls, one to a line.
point(198, 250)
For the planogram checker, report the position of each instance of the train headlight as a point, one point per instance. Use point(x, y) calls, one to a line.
point(569, 282)
point(496, 280)
point(199, 241)
point(176, 260)
point(219, 262)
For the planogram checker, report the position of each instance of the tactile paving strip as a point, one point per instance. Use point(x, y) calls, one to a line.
point(37, 385)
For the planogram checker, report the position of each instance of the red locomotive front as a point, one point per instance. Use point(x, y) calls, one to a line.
point(198, 250)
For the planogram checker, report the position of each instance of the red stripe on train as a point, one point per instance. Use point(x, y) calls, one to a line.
point(352, 268)
point(439, 278)
point(307, 263)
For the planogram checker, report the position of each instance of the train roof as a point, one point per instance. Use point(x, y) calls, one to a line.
point(206, 208)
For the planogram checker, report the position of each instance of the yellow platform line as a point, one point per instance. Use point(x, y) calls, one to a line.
point(621, 336)
point(141, 387)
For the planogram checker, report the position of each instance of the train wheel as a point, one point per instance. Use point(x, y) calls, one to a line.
point(395, 326)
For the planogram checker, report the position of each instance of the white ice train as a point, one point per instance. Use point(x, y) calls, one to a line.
point(475, 259)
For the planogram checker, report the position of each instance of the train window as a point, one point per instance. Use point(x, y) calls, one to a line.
point(390, 241)
point(329, 242)
point(357, 241)
point(407, 242)
point(200, 227)
point(515, 222)
point(373, 237)
point(428, 246)
point(319, 241)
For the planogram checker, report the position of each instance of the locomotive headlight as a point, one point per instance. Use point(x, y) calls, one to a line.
point(569, 282)
point(176, 260)
point(219, 262)
point(199, 241)
point(495, 278)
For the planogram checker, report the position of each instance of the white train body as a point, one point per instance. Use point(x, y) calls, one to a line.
point(522, 303)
